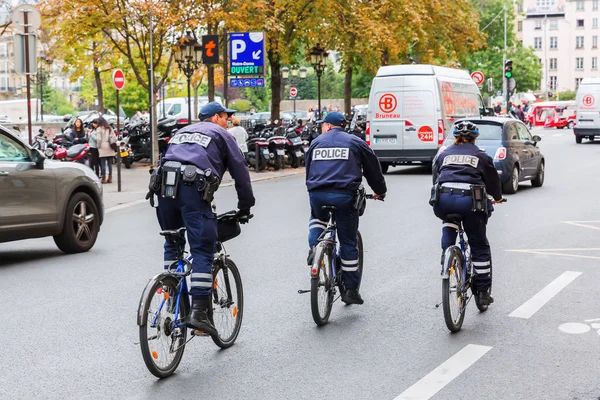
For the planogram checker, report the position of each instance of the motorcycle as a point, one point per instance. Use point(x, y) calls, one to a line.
point(77, 152)
point(125, 152)
point(294, 147)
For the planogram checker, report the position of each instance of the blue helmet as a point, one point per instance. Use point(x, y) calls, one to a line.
point(466, 129)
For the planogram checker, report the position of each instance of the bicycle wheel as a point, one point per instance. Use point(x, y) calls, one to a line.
point(228, 303)
point(162, 337)
point(453, 298)
point(360, 258)
point(321, 287)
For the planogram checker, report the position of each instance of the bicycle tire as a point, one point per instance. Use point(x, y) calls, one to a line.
point(324, 280)
point(451, 288)
point(223, 300)
point(151, 356)
point(361, 259)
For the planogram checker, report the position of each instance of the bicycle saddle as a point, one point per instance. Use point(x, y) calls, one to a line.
point(175, 236)
point(329, 208)
point(454, 218)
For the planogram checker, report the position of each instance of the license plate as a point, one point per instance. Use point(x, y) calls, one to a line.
point(305, 149)
point(124, 154)
point(298, 153)
point(265, 151)
point(385, 141)
point(280, 152)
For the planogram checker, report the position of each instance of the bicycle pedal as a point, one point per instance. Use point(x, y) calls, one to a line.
point(196, 332)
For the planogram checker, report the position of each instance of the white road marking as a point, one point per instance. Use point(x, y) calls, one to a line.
point(435, 381)
point(552, 252)
point(583, 224)
point(557, 134)
point(124, 205)
point(574, 328)
point(533, 305)
point(592, 320)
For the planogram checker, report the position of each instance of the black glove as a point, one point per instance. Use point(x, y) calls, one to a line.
point(243, 216)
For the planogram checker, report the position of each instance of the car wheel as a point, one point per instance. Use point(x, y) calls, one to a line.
point(538, 181)
point(81, 226)
point(570, 125)
point(384, 167)
point(512, 185)
point(578, 139)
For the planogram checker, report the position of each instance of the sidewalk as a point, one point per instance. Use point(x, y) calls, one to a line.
point(134, 183)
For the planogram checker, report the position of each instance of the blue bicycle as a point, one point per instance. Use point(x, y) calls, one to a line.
point(165, 303)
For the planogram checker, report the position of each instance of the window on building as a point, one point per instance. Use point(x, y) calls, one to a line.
point(545, 3)
point(3, 67)
point(579, 63)
point(580, 23)
point(520, 7)
point(553, 82)
point(538, 24)
point(3, 49)
point(537, 43)
point(579, 42)
point(3, 84)
point(520, 26)
point(580, 6)
point(553, 63)
point(594, 22)
point(594, 42)
point(553, 24)
point(577, 82)
point(594, 62)
point(554, 42)
point(595, 5)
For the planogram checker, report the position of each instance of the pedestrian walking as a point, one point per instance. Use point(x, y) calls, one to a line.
point(107, 144)
point(94, 155)
point(240, 134)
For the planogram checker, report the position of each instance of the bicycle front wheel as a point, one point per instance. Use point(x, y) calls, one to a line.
point(453, 298)
point(227, 303)
point(162, 332)
point(321, 286)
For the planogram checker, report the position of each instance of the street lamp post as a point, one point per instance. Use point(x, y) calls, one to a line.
point(318, 59)
point(188, 55)
point(296, 73)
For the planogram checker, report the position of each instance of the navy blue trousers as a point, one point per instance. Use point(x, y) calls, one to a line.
point(200, 222)
point(474, 224)
point(346, 219)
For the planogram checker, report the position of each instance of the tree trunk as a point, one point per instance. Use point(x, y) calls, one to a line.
point(385, 57)
point(211, 82)
point(348, 90)
point(275, 87)
point(98, 80)
point(196, 110)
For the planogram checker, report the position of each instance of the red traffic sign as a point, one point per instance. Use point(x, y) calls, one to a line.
point(293, 92)
point(478, 77)
point(118, 79)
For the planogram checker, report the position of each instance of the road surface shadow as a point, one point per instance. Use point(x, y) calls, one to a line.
point(409, 170)
point(11, 257)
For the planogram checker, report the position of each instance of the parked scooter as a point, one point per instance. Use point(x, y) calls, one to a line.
point(277, 148)
point(258, 145)
point(294, 147)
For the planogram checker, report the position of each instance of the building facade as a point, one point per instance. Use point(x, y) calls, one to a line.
point(564, 34)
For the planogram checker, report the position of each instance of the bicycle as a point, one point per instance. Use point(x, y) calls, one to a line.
point(165, 302)
point(326, 273)
point(457, 278)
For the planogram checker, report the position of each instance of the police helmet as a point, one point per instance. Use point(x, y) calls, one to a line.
point(466, 129)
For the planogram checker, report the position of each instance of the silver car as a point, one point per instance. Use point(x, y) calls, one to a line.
point(40, 197)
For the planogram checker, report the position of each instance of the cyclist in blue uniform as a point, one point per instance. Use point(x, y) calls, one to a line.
point(198, 148)
point(335, 164)
point(456, 169)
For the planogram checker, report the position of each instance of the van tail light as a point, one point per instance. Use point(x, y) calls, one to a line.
point(407, 123)
point(368, 133)
point(182, 121)
point(500, 153)
point(440, 132)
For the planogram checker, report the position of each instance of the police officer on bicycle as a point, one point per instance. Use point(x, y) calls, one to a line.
point(335, 163)
point(192, 168)
point(461, 173)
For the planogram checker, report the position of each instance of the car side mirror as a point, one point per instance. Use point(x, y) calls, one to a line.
point(38, 158)
point(16, 128)
point(536, 139)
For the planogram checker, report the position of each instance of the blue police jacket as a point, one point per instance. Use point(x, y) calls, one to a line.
point(337, 160)
point(207, 145)
point(467, 163)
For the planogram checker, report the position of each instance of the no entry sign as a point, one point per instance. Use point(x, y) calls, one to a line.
point(477, 77)
point(118, 79)
point(293, 92)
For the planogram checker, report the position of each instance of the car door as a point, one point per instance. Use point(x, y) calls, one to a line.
point(530, 151)
point(27, 192)
point(515, 146)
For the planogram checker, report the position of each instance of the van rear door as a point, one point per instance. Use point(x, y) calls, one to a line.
point(386, 124)
point(419, 109)
point(588, 106)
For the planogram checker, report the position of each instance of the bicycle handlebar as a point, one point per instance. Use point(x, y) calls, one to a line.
point(370, 196)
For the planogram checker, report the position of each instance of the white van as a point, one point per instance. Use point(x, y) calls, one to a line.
point(177, 107)
point(587, 109)
point(413, 107)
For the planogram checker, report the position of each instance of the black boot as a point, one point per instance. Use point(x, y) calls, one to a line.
point(352, 296)
point(199, 316)
point(485, 299)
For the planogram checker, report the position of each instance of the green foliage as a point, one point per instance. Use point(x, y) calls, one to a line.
point(566, 95)
point(361, 84)
point(57, 103)
point(241, 105)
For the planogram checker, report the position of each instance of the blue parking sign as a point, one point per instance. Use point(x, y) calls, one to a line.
point(246, 53)
point(239, 82)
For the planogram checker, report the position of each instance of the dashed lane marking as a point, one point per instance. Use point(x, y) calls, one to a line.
point(435, 381)
point(559, 252)
point(533, 305)
point(583, 224)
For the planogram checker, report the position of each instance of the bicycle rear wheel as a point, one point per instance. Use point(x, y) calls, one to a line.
point(360, 257)
point(162, 336)
point(453, 299)
point(227, 303)
point(321, 286)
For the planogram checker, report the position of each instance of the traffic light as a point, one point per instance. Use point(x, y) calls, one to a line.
point(508, 69)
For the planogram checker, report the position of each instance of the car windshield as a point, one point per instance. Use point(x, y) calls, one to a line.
point(488, 130)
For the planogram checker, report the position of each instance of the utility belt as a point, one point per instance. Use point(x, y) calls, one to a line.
point(477, 193)
point(167, 178)
point(360, 200)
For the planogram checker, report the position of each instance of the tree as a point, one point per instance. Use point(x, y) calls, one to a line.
point(5, 12)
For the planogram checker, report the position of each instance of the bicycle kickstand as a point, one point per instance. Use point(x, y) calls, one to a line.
point(303, 291)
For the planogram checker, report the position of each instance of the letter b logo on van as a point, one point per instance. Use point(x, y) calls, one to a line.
point(388, 103)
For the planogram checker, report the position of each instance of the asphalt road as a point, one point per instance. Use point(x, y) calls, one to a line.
point(69, 330)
